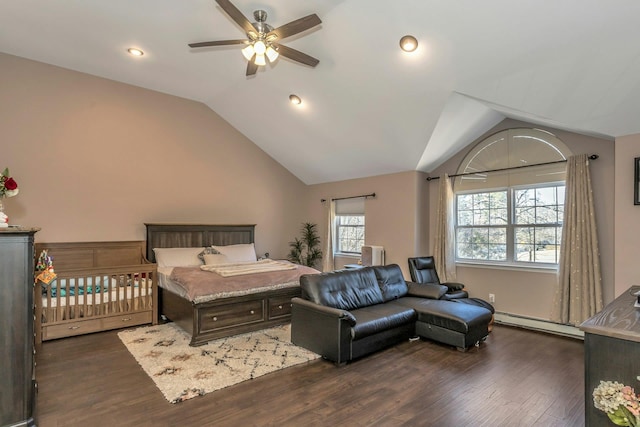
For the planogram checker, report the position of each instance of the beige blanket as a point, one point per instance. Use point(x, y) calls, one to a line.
point(201, 286)
point(241, 268)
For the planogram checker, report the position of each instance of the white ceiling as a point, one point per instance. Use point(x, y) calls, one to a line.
point(368, 108)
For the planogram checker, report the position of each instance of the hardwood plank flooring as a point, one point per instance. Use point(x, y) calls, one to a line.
point(516, 378)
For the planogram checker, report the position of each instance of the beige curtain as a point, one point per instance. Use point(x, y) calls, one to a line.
point(327, 256)
point(579, 292)
point(443, 249)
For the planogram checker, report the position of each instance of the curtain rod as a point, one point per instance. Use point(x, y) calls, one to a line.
point(430, 178)
point(352, 197)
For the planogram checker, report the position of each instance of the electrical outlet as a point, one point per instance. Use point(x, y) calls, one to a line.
point(492, 297)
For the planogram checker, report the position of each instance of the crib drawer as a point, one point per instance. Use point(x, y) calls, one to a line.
point(50, 332)
point(225, 315)
point(279, 307)
point(125, 320)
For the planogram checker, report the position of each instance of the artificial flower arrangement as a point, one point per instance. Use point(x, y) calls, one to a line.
point(8, 185)
point(619, 402)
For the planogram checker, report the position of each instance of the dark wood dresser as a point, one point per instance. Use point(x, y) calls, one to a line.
point(17, 370)
point(611, 350)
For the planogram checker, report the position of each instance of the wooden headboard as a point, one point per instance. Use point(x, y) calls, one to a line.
point(196, 235)
point(79, 255)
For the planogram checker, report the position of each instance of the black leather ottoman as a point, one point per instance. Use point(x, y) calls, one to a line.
point(478, 303)
point(459, 325)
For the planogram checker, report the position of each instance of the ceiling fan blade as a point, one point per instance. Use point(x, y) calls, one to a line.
point(297, 26)
point(236, 15)
point(251, 67)
point(219, 43)
point(296, 55)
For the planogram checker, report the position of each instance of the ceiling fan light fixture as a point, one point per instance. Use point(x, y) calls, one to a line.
point(408, 43)
point(248, 52)
point(260, 61)
point(260, 47)
point(295, 99)
point(272, 54)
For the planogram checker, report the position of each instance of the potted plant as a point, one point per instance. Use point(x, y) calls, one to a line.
point(305, 250)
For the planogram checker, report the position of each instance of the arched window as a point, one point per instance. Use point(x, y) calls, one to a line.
point(509, 211)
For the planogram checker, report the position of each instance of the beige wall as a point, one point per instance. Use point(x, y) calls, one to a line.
point(530, 293)
point(94, 159)
point(391, 217)
point(627, 215)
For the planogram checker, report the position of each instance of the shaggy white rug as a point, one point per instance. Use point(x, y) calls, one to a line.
point(182, 372)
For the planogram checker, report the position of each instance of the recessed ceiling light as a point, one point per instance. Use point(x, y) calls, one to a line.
point(135, 52)
point(295, 99)
point(408, 43)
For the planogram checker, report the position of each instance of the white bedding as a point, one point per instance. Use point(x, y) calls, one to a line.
point(121, 294)
point(242, 268)
point(165, 282)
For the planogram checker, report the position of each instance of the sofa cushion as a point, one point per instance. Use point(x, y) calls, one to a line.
point(448, 314)
point(345, 289)
point(380, 317)
point(426, 290)
point(477, 302)
point(391, 282)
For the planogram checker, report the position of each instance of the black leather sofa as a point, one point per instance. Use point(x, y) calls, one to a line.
point(346, 314)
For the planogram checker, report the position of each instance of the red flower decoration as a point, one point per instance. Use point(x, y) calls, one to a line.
point(10, 184)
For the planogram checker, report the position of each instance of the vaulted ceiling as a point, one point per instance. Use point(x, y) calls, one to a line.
point(368, 107)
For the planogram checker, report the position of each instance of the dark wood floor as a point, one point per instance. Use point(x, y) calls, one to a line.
point(516, 378)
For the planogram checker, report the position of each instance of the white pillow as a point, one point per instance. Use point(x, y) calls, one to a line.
point(178, 257)
point(215, 259)
point(238, 253)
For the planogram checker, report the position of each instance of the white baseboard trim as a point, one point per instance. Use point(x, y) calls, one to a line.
point(538, 325)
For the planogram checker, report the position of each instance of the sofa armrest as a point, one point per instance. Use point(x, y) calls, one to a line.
point(453, 286)
point(328, 311)
point(321, 329)
point(426, 290)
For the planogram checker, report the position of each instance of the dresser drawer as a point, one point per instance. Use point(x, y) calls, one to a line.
point(225, 315)
point(279, 307)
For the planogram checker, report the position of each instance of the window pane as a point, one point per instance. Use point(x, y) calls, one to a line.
point(498, 252)
point(482, 209)
point(465, 202)
point(547, 215)
point(482, 243)
point(350, 233)
point(538, 244)
point(525, 198)
point(481, 217)
point(525, 215)
point(465, 217)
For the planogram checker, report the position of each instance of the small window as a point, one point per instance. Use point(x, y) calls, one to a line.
point(349, 233)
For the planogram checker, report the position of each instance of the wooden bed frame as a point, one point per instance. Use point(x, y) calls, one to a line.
point(226, 316)
point(130, 299)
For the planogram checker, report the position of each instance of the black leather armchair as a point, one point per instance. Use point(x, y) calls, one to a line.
point(423, 270)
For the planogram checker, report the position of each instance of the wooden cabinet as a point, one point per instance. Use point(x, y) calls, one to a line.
point(611, 350)
point(17, 370)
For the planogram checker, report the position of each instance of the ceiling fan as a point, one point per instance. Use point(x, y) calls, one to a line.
point(262, 39)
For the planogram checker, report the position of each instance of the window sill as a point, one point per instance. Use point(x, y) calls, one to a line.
point(345, 255)
point(549, 269)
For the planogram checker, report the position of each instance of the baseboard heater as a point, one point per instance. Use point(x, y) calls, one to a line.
point(538, 325)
